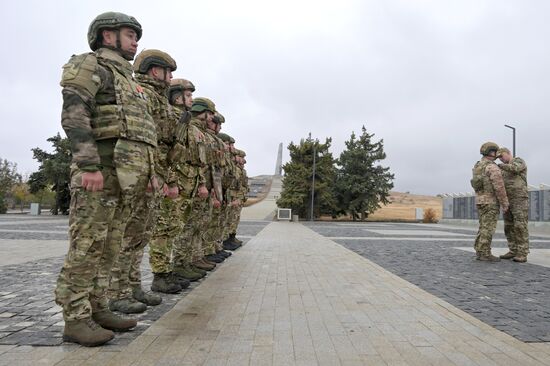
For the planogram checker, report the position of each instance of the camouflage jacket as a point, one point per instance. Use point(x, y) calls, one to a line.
point(215, 151)
point(231, 177)
point(165, 122)
point(102, 102)
point(188, 155)
point(514, 174)
point(490, 185)
point(244, 184)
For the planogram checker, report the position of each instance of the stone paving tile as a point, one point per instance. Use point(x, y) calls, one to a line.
point(292, 297)
point(509, 296)
point(28, 313)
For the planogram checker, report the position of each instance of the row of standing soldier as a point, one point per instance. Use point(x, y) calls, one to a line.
point(150, 167)
point(503, 186)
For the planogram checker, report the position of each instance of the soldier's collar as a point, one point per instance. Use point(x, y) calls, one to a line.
point(114, 56)
point(159, 85)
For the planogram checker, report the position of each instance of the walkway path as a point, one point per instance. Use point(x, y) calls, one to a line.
point(265, 209)
point(292, 296)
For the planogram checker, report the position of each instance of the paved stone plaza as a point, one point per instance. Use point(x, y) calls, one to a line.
point(32, 251)
point(510, 296)
point(299, 294)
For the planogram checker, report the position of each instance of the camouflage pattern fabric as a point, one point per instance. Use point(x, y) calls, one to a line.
point(93, 86)
point(189, 159)
point(491, 188)
point(97, 222)
point(166, 230)
point(516, 219)
point(488, 217)
point(160, 232)
point(137, 234)
point(217, 167)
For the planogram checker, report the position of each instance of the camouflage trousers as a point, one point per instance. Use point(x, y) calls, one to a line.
point(97, 223)
point(189, 246)
point(516, 226)
point(233, 218)
point(172, 219)
point(488, 217)
point(126, 272)
point(214, 232)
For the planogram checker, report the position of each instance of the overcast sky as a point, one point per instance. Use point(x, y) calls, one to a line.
point(434, 79)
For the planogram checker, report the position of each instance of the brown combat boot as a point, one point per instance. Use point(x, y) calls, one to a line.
point(86, 332)
point(111, 321)
point(202, 264)
point(508, 255)
point(488, 258)
point(520, 259)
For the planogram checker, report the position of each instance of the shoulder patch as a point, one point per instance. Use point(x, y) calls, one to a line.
point(81, 71)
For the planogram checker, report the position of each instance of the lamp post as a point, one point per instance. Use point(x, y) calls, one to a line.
point(513, 139)
point(313, 181)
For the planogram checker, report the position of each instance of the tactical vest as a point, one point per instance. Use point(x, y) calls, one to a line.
point(481, 183)
point(163, 115)
point(515, 183)
point(129, 117)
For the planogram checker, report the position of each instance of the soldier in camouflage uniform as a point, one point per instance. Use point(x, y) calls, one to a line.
point(234, 199)
point(187, 176)
point(193, 171)
point(153, 69)
point(113, 138)
point(514, 173)
point(242, 187)
point(243, 192)
point(490, 192)
point(220, 172)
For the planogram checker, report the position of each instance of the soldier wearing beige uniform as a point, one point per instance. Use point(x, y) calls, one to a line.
point(113, 137)
point(514, 173)
point(490, 196)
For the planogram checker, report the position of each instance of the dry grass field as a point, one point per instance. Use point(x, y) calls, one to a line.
point(402, 207)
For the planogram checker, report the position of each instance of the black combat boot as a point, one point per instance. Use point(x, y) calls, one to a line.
point(180, 280)
point(224, 254)
point(233, 239)
point(214, 258)
point(163, 282)
point(227, 245)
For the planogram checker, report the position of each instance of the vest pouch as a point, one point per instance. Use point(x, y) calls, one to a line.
point(107, 123)
point(477, 183)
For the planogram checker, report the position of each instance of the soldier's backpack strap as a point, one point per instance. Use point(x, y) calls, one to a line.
point(81, 72)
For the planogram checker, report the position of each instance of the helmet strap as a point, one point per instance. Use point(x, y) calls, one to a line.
point(117, 36)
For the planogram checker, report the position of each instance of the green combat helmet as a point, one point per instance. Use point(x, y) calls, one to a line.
point(151, 57)
point(226, 138)
point(487, 148)
point(203, 104)
point(110, 20)
point(219, 118)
